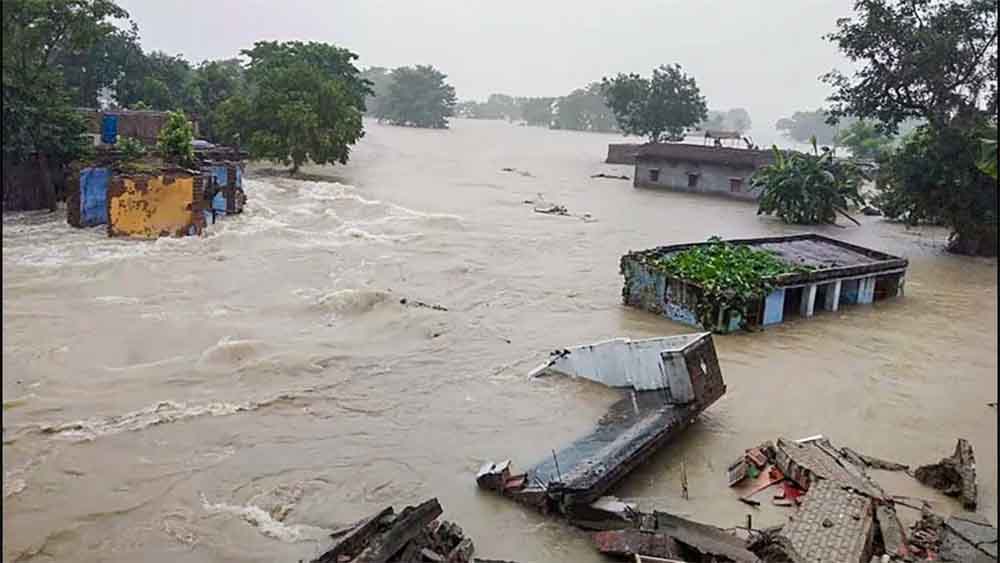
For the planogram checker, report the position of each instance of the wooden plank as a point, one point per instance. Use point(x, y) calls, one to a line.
point(354, 538)
point(410, 523)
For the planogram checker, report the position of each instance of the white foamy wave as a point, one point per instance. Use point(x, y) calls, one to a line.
point(230, 351)
point(12, 487)
point(161, 413)
point(352, 301)
point(117, 300)
point(267, 524)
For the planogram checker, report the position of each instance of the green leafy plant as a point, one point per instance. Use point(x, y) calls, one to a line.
point(175, 138)
point(808, 189)
point(936, 177)
point(131, 149)
point(732, 277)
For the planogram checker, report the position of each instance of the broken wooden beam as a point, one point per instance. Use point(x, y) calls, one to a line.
point(410, 523)
point(355, 538)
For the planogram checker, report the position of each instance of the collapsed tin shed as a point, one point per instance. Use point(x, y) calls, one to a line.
point(830, 273)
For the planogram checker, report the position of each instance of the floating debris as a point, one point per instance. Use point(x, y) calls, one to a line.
point(954, 475)
point(666, 383)
point(413, 535)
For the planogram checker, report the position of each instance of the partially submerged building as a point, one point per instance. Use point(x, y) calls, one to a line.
point(107, 126)
point(831, 274)
point(149, 200)
point(701, 169)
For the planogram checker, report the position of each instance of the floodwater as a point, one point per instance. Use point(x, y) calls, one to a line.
point(234, 397)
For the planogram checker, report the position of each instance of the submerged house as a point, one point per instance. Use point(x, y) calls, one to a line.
point(696, 168)
point(830, 274)
point(152, 200)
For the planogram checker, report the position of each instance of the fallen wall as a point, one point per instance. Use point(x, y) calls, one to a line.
point(149, 206)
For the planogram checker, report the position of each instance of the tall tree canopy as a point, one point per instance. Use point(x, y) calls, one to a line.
point(304, 101)
point(936, 61)
point(932, 60)
point(418, 96)
point(584, 109)
point(736, 119)
point(379, 78)
point(660, 107)
point(805, 125)
point(537, 111)
point(37, 106)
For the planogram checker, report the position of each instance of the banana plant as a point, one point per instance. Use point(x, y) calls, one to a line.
point(808, 189)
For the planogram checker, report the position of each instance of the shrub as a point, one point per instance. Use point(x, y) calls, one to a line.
point(175, 138)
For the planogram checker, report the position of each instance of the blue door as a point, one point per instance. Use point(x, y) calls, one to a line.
point(94, 196)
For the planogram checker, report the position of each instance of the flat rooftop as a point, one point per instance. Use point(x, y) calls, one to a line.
point(827, 257)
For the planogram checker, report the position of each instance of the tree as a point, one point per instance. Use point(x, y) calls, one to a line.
point(161, 81)
point(738, 119)
point(537, 111)
point(100, 66)
point(214, 82)
point(174, 141)
point(807, 189)
point(658, 108)
point(379, 80)
point(865, 140)
point(584, 109)
point(418, 96)
point(935, 177)
point(38, 116)
point(803, 126)
point(304, 101)
point(935, 61)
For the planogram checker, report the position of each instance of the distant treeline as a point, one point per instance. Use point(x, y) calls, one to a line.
point(584, 109)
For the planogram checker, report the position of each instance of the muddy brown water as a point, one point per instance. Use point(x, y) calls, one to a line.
point(234, 397)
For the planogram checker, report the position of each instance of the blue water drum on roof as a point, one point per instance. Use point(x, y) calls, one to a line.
point(109, 129)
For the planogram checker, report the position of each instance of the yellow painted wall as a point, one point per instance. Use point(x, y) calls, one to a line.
point(152, 206)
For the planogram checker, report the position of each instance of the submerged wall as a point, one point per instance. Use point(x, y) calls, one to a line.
point(151, 206)
point(730, 181)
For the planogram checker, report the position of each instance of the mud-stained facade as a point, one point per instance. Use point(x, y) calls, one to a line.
point(150, 206)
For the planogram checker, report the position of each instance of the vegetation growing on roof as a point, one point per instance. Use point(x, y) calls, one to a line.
point(732, 277)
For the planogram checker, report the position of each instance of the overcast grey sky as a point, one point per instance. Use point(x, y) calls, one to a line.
point(764, 55)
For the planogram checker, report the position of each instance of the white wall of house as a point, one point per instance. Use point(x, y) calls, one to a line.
point(711, 178)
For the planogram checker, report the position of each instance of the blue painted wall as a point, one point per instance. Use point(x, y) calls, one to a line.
point(94, 196)
point(774, 307)
point(221, 175)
